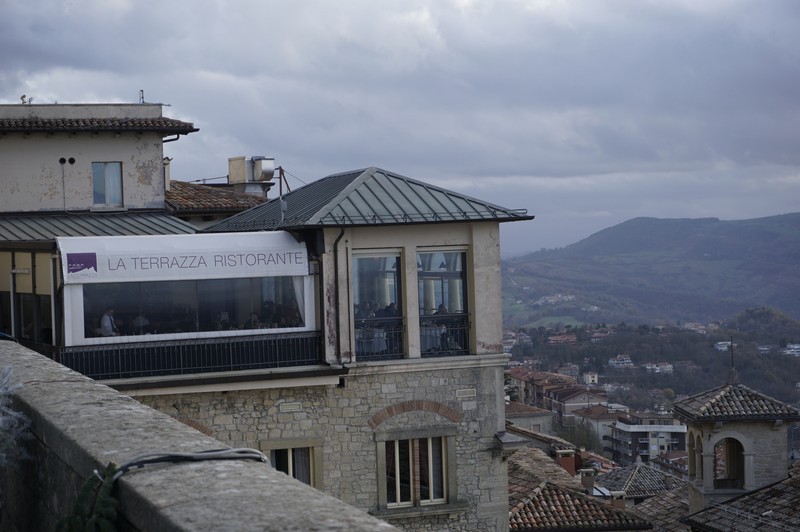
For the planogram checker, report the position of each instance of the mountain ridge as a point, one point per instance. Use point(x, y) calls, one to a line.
point(651, 270)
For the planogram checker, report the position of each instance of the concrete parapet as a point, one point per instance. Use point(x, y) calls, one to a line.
point(79, 425)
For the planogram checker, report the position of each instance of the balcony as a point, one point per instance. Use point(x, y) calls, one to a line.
point(379, 339)
point(183, 357)
point(382, 338)
point(445, 335)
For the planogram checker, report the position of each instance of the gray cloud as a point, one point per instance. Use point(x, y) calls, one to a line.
point(585, 113)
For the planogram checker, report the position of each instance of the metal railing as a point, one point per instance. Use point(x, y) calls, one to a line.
point(181, 357)
point(446, 335)
point(379, 339)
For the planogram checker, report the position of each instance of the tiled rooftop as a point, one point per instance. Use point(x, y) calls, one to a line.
point(543, 496)
point(666, 509)
point(639, 481)
point(530, 466)
point(514, 408)
point(772, 508)
point(553, 442)
point(733, 402)
point(34, 125)
point(188, 198)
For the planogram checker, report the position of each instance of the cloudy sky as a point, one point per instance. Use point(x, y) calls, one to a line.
point(585, 113)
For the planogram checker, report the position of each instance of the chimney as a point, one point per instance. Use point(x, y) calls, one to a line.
point(566, 459)
point(618, 499)
point(587, 480)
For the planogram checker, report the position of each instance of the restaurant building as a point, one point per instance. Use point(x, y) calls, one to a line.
point(350, 329)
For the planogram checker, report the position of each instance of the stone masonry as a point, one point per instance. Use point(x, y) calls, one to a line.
point(343, 420)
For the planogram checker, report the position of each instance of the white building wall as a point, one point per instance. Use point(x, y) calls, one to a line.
point(35, 180)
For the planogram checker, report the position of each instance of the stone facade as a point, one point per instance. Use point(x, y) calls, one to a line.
point(79, 425)
point(344, 420)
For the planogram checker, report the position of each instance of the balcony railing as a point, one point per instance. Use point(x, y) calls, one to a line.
point(181, 357)
point(379, 339)
point(444, 335)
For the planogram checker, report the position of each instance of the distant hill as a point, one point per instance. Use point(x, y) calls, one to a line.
point(650, 270)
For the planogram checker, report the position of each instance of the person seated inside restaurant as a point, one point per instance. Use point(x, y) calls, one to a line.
point(389, 311)
point(108, 326)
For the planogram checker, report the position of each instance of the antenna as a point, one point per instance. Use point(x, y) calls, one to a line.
point(732, 373)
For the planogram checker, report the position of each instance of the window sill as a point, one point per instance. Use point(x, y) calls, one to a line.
point(105, 208)
point(429, 510)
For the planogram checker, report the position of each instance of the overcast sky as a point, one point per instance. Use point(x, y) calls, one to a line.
point(585, 113)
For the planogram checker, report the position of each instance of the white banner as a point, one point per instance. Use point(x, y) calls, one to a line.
point(111, 259)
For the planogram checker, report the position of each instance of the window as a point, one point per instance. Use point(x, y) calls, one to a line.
point(378, 307)
point(299, 458)
point(173, 307)
point(107, 184)
point(296, 463)
point(443, 312)
point(415, 472)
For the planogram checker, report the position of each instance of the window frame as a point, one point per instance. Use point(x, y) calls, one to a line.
point(315, 447)
point(449, 471)
point(379, 333)
point(444, 315)
point(106, 181)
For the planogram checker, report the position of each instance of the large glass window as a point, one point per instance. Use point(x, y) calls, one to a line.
point(107, 184)
point(415, 471)
point(443, 311)
point(34, 318)
point(377, 301)
point(170, 307)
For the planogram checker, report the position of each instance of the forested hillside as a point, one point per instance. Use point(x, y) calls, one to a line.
point(649, 270)
point(697, 365)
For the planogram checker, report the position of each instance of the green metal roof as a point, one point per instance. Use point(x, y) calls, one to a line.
point(43, 228)
point(362, 198)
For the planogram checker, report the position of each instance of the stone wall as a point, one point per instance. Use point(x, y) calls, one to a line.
point(79, 426)
point(455, 396)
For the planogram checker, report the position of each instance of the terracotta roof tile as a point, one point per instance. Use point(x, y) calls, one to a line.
point(515, 408)
point(553, 441)
point(666, 509)
point(550, 507)
point(772, 508)
point(542, 496)
point(187, 198)
point(528, 467)
point(733, 402)
point(639, 481)
point(31, 125)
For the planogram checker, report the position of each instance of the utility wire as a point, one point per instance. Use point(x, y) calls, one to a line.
point(159, 458)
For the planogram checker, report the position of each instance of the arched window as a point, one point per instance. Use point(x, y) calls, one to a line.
point(728, 464)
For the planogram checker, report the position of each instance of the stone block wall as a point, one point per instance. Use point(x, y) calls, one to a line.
point(78, 425)
point(344, 422)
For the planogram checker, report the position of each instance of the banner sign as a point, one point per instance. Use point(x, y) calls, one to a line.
point(114, 259)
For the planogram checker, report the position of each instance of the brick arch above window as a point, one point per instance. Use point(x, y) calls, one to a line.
point(414, 406)
point(205, 429)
